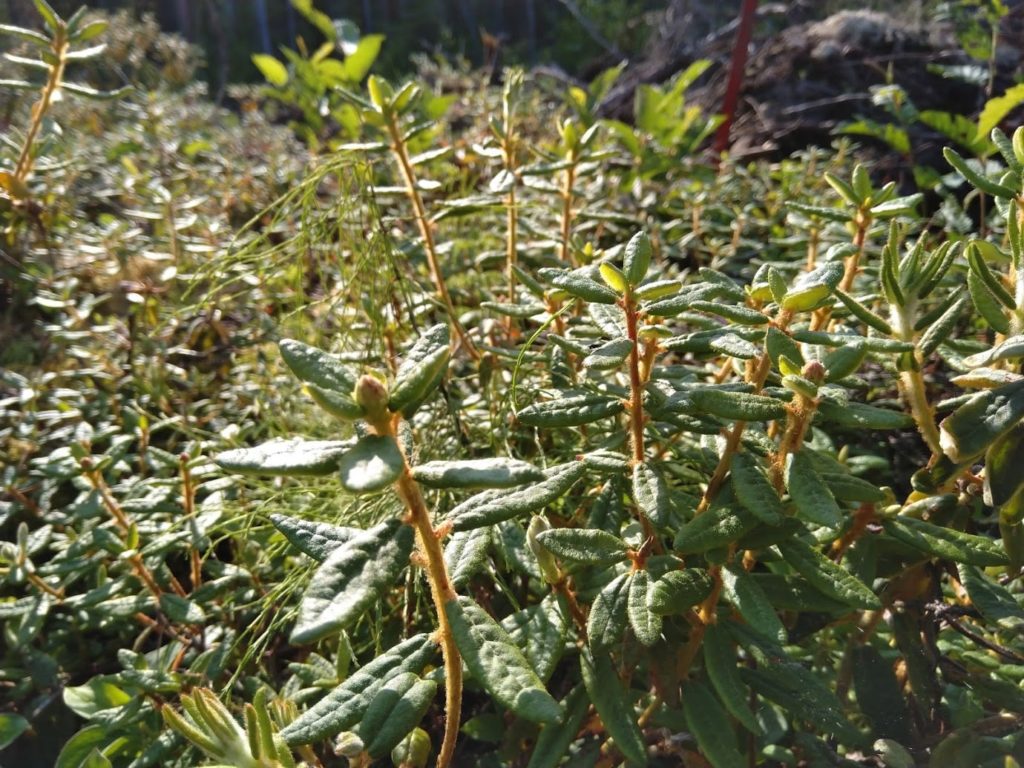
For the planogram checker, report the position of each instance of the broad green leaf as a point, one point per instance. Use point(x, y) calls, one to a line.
point(554, 739)
point(93, 697)
point(823, 574)
point(540, 631)
point(678, 591)
point(588, 546)
point(946, 543)
point(286, 458)
point(997, 108)
point(343, 707)
point(570, 411)
point(812, 497)
point(613, 705)
point(606, 624)
point(313, 538)
point(738, 406)
point(754, 490)
point(708, 721)
point(11, 727)
point(844, 360)
point(49, 16)
point(778, 344)
point(495, 661)
point(613, 277)
point(352, 577)
point(718, 527)
point(465, 555)
point(272, 69)
point(372, 465)
point(792, 593)
point(651, 494)
point(77, 749)
point(637, 258)
point(745, 594)
point(476, 473)
point(646, 623)
point(720, 666)
point(493, 506)
point(849, 488)
point(395, 710)
point(422, 370)
point(357, 63)
point(734, 346)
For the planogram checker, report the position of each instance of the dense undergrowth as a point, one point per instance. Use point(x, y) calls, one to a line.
point(608, 455)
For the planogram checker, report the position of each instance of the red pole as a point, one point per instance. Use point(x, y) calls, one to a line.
point(736, 69)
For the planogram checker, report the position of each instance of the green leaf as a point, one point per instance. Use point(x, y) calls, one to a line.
point(651, 494)
point(802, 695)
point(736, 312)
point(25, 34)
point(316, 539)
point(357, 63)
point(90, 31)
point(678, 591)
point(943, 327)
point(588, 546)
point(978, 265)
point(579, 286)
point(844, 360)
point(945, 542)
point(93, 94)
point(637, 258)
point(864, 314)
point(606, 624)
point(353, 577)
point(811, 495)
point(613, 706)
point(613, 277)
point(720, 666)
point(718, 527)
point(77, 749)
point(97, 695)
point(540, 631)
point(49, 16)
point(181, 609)
point(861, 416)
point(746, 595)
point(11, 727)
point(490, 507)
point(286, 458)
point(330, 380)
point(823, 574)
point(554, 740)
point(609, 355)
point(343, 707)
point(995, 602)
point(988, 306)
point(974, 426)
point(707, 718)
point(273, 70)
point(975, 178)
point(811, 289)
point(737, 406)
point(396, 708)
point(476, 473)
point(570, 411)
point(422, 370)
point(372, 465)
point(878, 693)
point(754, 490)
point(999, 107)
point(645, 623)
point(498, 665)
point(1004, 485)
point(465, 555)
